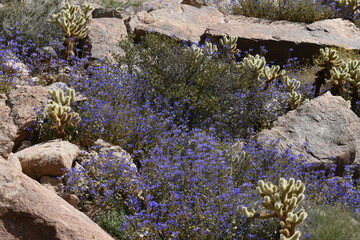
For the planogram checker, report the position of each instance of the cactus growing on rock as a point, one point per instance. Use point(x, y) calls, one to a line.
point(72, 20)
point(282, 201)
point(60, 111)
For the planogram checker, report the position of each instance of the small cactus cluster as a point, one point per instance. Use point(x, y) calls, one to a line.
point(60, 111)
point(295, 98)
point(352, 5)
point(230, 43)
point(343, 76)
point(72, 20)
point(254, 69)
point(282, 201)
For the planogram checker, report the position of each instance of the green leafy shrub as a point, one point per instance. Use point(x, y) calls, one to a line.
point(203, 84)
point(290, 10)
point(111, 220)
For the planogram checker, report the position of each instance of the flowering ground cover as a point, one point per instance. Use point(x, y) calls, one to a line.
point(178, 108)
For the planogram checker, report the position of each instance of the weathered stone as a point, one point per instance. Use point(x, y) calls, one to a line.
point(323, 130)
point(25, 102)
point(194, 3)
point(105, 34)
point(30, 211)
point(13, 65)
point(14, 160)
point(182, 21)
point(105, 13)
point(8, 129)
point(54, 181)
point(52, 158)
point(72, 199)
point(116, 152)
point(284, 39)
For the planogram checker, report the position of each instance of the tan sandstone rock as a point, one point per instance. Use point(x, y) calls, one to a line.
point(30, 211)
point(52, 158)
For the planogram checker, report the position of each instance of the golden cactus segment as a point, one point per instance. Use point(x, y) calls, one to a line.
point(282, 202)
point(328, 58)
point(60, 111)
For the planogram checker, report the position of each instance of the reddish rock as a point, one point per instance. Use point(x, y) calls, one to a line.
point(30, 211)
point(52, 158)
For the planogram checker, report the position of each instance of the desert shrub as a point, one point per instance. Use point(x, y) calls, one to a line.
point(205, 88)
point(291, 10)
point(110, 220)
point(330, 223)
point(27, 20)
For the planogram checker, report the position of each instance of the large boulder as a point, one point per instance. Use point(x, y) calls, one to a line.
point(29, 211)
point(52, 158)
point(325, 131)
point(283, 39)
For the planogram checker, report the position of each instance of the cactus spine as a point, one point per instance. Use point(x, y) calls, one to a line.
point(60, 111)
point(282, 201)
point(72, 20)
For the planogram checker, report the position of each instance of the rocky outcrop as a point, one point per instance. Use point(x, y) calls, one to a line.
point(30, 211)
point(105, 34)
point(181, 21)
point(8, 128)
point(284, 39)
point(25, 103)
point(52, 158)
point(325, 131)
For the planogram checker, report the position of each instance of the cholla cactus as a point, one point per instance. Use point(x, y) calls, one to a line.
point(60, 111)
point(352, 5)
point(72, 20)
point(252, 67)
point(342, 75)
point(272, 73)
point(295, 98)
point(327, 61)
point(282, 202)
point(230, 43)
point(211, 48)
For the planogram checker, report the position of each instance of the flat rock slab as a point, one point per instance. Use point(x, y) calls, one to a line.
point(279, 37)
point(181, 21)
point(52, 158)
point(29, 211)
point(324, 130)
point(282, 39)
